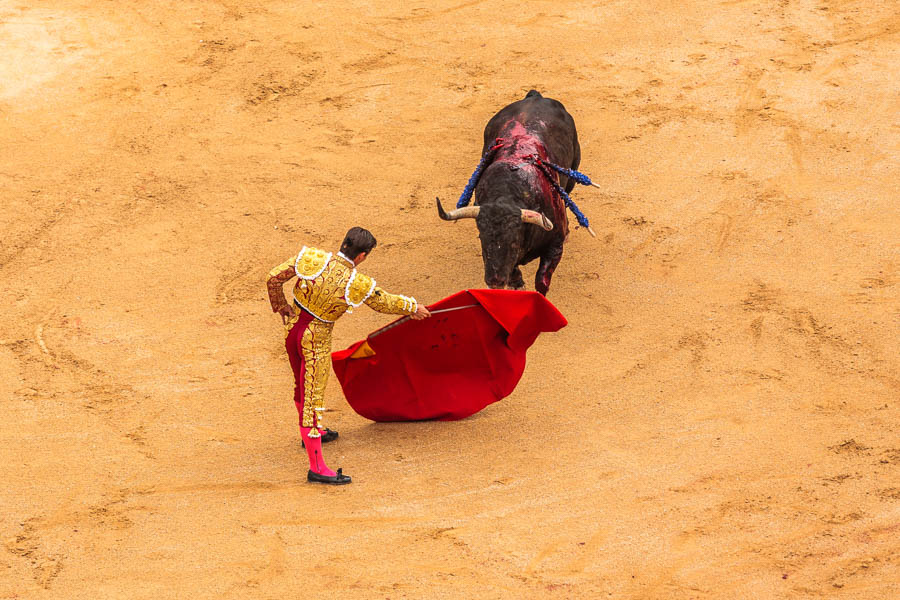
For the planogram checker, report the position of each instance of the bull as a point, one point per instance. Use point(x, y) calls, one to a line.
point(519, 214)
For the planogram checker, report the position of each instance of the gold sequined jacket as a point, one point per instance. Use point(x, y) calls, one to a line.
point(328, 285)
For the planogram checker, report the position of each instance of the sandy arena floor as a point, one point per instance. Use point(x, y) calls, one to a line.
point(719, 420)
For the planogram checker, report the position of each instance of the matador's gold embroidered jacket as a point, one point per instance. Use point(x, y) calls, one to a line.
point(328, 285)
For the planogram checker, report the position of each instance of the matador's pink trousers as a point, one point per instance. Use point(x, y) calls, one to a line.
point(298, 365)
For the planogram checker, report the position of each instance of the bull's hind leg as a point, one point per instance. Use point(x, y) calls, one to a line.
point(549, 261)
point(516, 282)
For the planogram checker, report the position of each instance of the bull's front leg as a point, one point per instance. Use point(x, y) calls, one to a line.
point(549, 261)
point(516, 282)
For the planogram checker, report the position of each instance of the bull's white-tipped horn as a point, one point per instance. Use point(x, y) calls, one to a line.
point(536, 218)
point(466, 212)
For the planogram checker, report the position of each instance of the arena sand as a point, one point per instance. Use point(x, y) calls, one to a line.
point(718, 420)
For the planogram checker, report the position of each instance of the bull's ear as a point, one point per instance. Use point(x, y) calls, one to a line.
point(536, 218)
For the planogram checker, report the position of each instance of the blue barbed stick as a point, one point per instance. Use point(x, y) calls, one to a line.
point(570, 204)
point(466, 195)
point(572, 174)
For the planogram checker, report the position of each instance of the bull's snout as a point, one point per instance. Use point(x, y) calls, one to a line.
point(495, 283)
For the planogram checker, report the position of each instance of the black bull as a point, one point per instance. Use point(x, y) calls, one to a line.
point(519, 215)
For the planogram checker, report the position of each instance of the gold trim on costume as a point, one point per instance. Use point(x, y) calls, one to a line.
point(316, 348)
point(327, 287)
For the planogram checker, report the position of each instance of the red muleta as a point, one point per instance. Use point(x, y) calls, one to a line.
point(469, 354)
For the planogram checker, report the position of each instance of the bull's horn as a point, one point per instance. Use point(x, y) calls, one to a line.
point(536, 218)
point(466, 212)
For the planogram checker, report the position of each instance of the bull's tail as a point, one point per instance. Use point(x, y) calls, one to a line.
point(533, 94)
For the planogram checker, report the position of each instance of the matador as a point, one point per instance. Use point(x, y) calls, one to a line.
point(328, 285)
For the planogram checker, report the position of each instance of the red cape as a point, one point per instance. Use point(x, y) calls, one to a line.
point(449, 366)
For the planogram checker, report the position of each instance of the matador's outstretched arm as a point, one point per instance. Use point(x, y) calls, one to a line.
point(391, 304)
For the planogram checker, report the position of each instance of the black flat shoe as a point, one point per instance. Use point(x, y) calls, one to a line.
point(328, 436)
point(339, 479)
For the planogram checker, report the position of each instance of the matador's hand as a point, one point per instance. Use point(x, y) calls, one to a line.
point(421, 313)
point(287, 313)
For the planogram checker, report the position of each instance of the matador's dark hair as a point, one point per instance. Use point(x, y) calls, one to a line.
point(356, 241)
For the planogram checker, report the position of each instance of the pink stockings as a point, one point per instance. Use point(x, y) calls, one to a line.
point(313, 448)
point(298, 365)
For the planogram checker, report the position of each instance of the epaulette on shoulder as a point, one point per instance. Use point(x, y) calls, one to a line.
point(359, 288)
point(311, 262)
